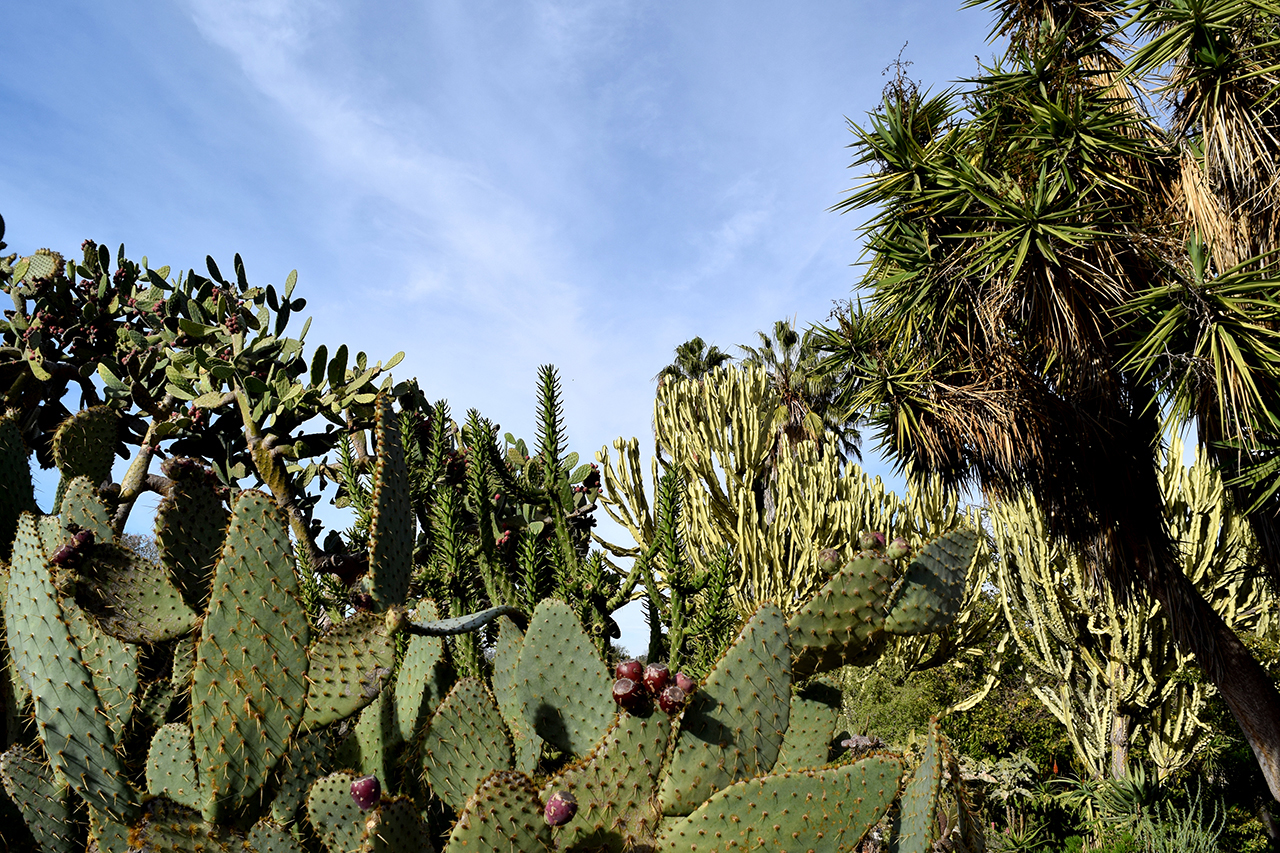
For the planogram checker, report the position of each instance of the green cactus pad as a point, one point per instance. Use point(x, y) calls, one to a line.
point(108, 835)
point(395, 827)
point(191, 522)
point(918, 816)
point(16, 492)
point(301, 766)
point(565, 692)
point(732, 727)
point(931, 591)
point(614, 786)
point(112, 663)
point(809, 728)
point(73, 725)
point(171, 765)
point(526, 745)
point(47, 805)
point(333, 813)
point(268, 837)
point(505, 814)
point(131, 598)
point(83, 509)
point(155, 702)
point(424, 677)
point(15, 695)
point(391, 526)
point(249, 686)
point(837, 624)
point(371, 746)
point(827, 810)
point(349, 664)
point(84, 445)
point(465, 742)
point(170, 828)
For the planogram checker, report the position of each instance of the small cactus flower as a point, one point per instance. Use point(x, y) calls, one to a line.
point(560, 808)
point(829, 560)
point(656, 676)
point(671, 700)
point(628, 694)
point(898, 548)
point(871, 540)
point(632, 669)
point(367, 792)
point(685, 683)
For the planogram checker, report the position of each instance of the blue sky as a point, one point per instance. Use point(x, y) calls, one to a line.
point(486, 185)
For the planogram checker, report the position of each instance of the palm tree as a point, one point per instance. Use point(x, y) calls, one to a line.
point(1041, 302)
point(694, 359)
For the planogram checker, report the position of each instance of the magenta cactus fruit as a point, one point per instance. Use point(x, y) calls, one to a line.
point(632, 669)
point(367, 792)
point(560, 808)
point(656, 676)
point(899, 547)
point(628, 694)
point(671, 699)
point(871, 540)
point(685, 683)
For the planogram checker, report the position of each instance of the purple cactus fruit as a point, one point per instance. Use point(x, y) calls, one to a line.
point(560, 808)
point(63, 556)
point(83, 539)
point(632, 669)
point(671, 699)
point(628, 694)
point(871, 540)
point(367, 792)
point(656, 676)
point(685, 683)
point(898, 548)
point(829, 560)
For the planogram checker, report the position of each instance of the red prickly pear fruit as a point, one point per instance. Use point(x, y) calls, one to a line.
point(871, 540)
point(656, 676)
point(628, 694)
point(632, 669)
point(560, 808)
point(829, 560)
point(64, 555)
point(671, 699)
point(685, 683)
point(899, 547)
point(82, 539)
point(367, 792)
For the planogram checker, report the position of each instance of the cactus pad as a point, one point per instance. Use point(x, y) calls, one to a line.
point(333, 813)
point(84, 445)
point(835, 626)
point(73, 726)
point(504, 814)
point(83, 509)
point(395, 827)
point(423, 679)
point(615, 785)
point(371, 745)
point(47, 805)
point(464, 744)
point(112, 664)
point(809, 728)
point(348, 666)
point(170, 828)
point(249, 686)
point(301, 766)
point(269, 837)
point(917, 824)
point(732, 727)
point(171, 765)
point(525, 743)
point(563, 686)
point(391, 535)
point(131, 598)
point(16, 493)
point(191, 522)
point(931, 591)
point(828, 810)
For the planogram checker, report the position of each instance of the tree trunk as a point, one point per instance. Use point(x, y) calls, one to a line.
point(1120, 725)
point(1247, 688)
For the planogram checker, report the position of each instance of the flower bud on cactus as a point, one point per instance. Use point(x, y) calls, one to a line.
point(671, 700)
point(632, 669)
point(655, 677)
point(628, 694)
point(367, 792)
point(897, 548)
point(685, 683)
point(560, 808)
point(872, 540)
point(829, 560)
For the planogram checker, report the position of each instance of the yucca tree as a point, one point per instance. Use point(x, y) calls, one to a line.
point(1055, 277)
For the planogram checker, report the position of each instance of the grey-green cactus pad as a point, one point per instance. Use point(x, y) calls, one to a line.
point(395, 827)
point(827, 810)
point(131, 598)
point(504, 814)
point(46, 803)
point(391, 527)
point(812, 722)
point(932, 589)
point(564, 690)
point(16, 492)
point(917, 823)
point(424, 677)
point(171, 765)
point(348, 666)
point(191, 522)
point(525, 743)
point(170, 828)
point(732, 726)
point(465, 742)
point(837, 624)
point(334, 815)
